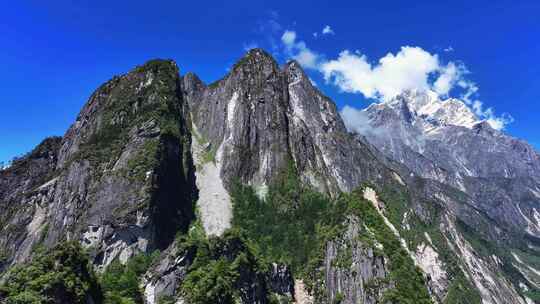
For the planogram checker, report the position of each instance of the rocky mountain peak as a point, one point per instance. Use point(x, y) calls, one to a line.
point(428, 107)
point(255, 60)
point(154, 154)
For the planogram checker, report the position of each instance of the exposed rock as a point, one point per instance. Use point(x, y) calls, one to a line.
point(214, 203)
point(121, 181)
point(354, 272)
point(149, 144)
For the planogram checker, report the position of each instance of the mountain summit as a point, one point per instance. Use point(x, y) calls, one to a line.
point(252, 190)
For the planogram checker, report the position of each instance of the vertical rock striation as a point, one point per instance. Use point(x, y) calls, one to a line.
point(121, 180)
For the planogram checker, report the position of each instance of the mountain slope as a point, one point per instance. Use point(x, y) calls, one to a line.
point(444, 141)
point(255, 192)
point(121, 179)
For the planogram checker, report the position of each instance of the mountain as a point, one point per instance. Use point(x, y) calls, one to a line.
point(443, 140)
point(251, 189)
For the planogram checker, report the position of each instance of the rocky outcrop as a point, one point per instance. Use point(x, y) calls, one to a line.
point(252, 282)
point(121, 181)
point(150, 147)
point(354, 272)
point(497, 175)
point(23, 186)
point(259, 118)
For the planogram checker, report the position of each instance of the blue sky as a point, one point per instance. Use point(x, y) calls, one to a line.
point(54, 54)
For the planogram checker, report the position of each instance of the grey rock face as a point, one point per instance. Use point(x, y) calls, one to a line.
point(259, 118)
point(165, 278)
point(123, 179)
point(354, 272)
point(459, 150)
point(22, 189)
point(443, 141)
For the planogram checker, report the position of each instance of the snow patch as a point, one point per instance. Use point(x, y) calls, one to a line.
point(436, 112)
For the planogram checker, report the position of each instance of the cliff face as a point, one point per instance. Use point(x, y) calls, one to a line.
point(442, 140)
point(154, 155)
point(259, 117)
point(120, 181)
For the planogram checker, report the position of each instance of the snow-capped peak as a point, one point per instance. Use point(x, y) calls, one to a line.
point(433, 110)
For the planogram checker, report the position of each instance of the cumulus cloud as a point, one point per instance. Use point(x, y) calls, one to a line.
point(327, 30)
point(410, 68)
point(299, 51)
point(449, 76)
point(356, 120)
point(488, 114)
point(289, 38)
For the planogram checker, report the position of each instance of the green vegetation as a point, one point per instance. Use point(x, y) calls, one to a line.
point(285, 224)
point(460, 289)
point(487, 249)
point(410, 284)
point(120, 283)
point(220, 266)
point(398, 201)
point(294, 222)
point(209, 153)
point(61, 275)
point(127, 108)
point(64, 274)
point(166, 300)
point(144, 161)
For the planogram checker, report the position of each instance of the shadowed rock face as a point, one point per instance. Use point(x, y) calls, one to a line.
point(444, 141)
point(259, 118)
point(122, 180)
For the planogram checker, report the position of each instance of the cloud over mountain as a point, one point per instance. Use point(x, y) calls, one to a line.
point(410, 68)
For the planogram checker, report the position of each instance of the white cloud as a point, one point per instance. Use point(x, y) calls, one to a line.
point(289, 38)
point(315, 34)
point(299, 51)
point(269, 28)
point(488, 114)
point(327, 30)
point(408, 69)
point(449, 49)
point(358, 121)
point(449, 76)
point(355, 120)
